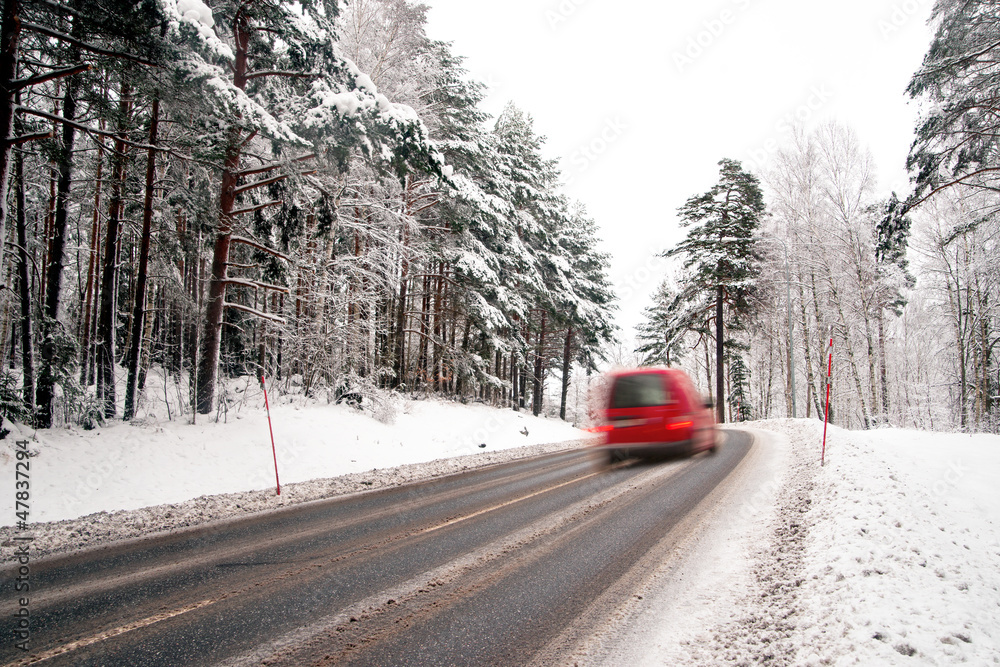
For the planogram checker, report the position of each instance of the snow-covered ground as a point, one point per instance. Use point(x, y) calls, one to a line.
point(889, 554)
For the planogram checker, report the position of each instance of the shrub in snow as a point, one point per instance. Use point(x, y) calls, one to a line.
point(90, 412)
point(363, 394)
point(12, 407)
point(384, 406)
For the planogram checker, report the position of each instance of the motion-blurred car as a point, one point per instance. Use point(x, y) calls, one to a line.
point(655, 411)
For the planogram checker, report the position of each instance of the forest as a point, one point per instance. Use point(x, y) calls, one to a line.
point(892, 300)
point(311, 193)
point(304, 192)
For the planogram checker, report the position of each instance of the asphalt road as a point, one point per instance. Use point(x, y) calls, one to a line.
point(492, 566)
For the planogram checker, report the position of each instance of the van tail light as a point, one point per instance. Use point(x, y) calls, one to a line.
point(673, 426)
point(602, 428)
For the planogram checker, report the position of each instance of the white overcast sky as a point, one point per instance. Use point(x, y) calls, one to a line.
point(640, 100)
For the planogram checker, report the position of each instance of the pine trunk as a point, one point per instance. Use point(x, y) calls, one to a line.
point(720, 386)
point(882, 370)
point(106, 329)
point(440, 331)
point(24, 291)
point(536, 389)
point(211, 341)
point(95, 244)
point(139, 306)
point(708, 365)
point(53, 269)
point(9, 35)
point(567, 362)
point(399, 354)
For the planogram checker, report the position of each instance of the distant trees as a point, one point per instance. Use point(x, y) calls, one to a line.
point(955, 157)
point(907, 289)
point(830, 258)
point(908, 295)
point(847, 261)
point(224, 191)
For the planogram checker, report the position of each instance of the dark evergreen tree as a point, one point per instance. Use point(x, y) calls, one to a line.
point(892, 277)
point(739, 388)
point(958, 138)
point(675, 313)
point(719, 250)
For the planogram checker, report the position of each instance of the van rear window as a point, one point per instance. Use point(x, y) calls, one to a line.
point(639, 391)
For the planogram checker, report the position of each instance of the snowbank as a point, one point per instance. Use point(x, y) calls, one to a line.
point(903, 559)
point(129, 479)
point(887, 555)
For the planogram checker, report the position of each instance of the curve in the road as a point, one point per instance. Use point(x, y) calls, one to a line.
point(485, 566)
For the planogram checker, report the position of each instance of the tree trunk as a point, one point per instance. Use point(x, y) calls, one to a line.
point(208, 367)
point(399, 353)
point(708, 365)
point(536, 389)
point(24, 291)
point(139, 306)
point(440, 331)
point(9, 36)
point(421, 366)
point(955, 300)
point(567, 348)
point(53, 270)
point(513, 383)
point(149, 333)
point(811, 394)
point(986, 350)
point(865, 414)
point(870, 344)
point(399, 344)
point(522, 382)
point(106, 322)
point(95, 245)
point(882, 370)
point(720, 380)
point(770, 379)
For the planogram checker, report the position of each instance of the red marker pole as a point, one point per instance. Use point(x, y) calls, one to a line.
point(271, 431)
point(826, 414)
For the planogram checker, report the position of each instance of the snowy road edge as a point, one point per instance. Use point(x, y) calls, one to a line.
point(103, 530)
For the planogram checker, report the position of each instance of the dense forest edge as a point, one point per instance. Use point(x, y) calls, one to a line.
point(311, 194)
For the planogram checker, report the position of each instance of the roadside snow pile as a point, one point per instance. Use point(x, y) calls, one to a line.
point(890, 554)
point(903, 563)
point(761, 627)
point(128, 480)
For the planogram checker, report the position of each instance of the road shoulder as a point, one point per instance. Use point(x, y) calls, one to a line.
point(703, 605)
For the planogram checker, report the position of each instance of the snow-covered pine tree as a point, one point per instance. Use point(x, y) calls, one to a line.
point(675, 314)
point(291, 92)
point(892, 278)
point(958, 136)
point(586, 307)
point(542, 221)
point(719, 250)
point(739, 388)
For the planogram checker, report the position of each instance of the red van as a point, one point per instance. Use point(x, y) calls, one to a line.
point(655, 411)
